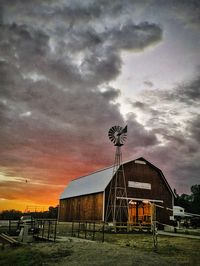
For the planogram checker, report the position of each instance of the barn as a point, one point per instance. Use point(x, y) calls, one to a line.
point(86, 198)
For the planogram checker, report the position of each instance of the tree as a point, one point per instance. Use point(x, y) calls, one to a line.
point(191, 203)
point(195, 199)
point(53, 212)
point(184, 201)
point(16, 215)
point(10, 215)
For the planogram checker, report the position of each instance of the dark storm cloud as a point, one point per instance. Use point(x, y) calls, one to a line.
point(23, 40)
point(111, 93)
point(131, 36)
point(194, 128)
point(138, 135)
point(97, 69)
point(146, 108)
point(189, 93)
point(179, 166)
point(72, 11)
point(182, 100)
point(27, 51)
point(126, 36)
point(188, 11)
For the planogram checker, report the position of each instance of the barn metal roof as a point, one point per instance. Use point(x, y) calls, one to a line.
point(92, 183)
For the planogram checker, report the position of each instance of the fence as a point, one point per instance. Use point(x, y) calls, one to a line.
point(45, 229)
point(10, 227)
point(96, 230)
point(88, 230)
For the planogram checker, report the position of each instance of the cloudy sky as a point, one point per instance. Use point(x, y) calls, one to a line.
point(71, 69)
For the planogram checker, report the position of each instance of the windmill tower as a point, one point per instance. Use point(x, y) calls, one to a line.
point(117, 204)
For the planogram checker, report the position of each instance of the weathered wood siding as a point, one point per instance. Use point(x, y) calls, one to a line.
point(87, 207)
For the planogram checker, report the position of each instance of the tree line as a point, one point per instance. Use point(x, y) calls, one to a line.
point(52, 213)
point(191, 203)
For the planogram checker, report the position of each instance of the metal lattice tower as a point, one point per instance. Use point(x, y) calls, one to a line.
point(117, 204)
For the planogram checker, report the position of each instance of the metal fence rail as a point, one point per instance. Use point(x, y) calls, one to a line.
point(88, 230)
point(46, 229)
point(9, 226)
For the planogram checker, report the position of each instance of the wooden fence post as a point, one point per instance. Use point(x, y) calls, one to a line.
point(9, 227)
point(49, 227)
point(93, 231)
point(55, 230)
point(72, 228)
point(78, 228)
point(43, 225)
point(103, 233)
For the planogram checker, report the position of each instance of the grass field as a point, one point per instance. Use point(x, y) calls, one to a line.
point(118, 249)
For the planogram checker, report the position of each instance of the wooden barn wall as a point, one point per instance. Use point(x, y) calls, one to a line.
point(87, 207)
point(145, 173)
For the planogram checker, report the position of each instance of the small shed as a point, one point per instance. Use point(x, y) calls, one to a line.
point(85, 198)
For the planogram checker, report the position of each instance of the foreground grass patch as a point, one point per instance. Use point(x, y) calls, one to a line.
point(20, 256)
point(32, 255)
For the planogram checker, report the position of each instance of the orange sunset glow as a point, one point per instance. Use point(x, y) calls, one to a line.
point(70, 70)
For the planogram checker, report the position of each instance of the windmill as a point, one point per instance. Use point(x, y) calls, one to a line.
point(117, 204)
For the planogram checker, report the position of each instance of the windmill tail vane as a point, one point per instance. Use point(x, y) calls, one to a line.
point(124, 130)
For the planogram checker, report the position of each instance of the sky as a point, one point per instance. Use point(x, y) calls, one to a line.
point(72, 69)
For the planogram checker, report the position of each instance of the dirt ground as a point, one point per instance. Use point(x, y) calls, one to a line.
point(123, 250)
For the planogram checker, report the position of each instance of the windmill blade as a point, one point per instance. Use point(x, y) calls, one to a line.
point(111, 134)
point(113, 129)
point(123, 138)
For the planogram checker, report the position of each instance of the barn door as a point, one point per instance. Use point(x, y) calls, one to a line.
point(139, 213)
